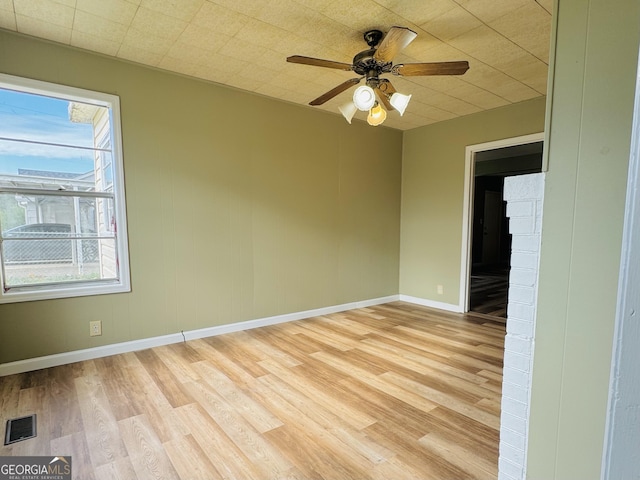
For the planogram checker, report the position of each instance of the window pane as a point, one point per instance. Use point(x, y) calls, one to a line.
point(52, 143)
point(26, 214)
point(39, 118)
point(46, 261)
point(45, 167)
point(104, 172)
point(57, 239)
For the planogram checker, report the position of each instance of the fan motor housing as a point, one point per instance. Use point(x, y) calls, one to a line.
point(364, 63)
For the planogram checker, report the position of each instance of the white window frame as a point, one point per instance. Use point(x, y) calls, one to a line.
point(89, 287)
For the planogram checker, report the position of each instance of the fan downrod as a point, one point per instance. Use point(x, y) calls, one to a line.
point(373, 37)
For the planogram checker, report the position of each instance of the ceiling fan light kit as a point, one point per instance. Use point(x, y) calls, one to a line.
point(399, 101)
point(364, 98)
point(348, 110)
point(371, 64)
point(377, 115)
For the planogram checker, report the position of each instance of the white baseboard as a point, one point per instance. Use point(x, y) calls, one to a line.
point(449, 307)
point(47, 361)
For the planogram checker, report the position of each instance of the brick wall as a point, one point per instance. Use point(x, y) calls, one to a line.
point(524, 195)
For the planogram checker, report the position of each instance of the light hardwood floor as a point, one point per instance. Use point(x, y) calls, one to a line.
point(395, 391)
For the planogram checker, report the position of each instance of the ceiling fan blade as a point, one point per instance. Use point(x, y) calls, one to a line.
point(395, 40)
point(436, 68)
point(335, 91)
point(384, 99)
point(386, 87)
point(318, 62)
point(384, 92)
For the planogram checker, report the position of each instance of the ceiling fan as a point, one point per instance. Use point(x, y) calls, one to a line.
point(371, 64)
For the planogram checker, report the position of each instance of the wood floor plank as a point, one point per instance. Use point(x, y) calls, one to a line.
point(437, 397)
point(477, 436)
point(417, 457)
point(254, 413)
point(376, 382)
point(75, 446)
point(189, 459)
point(10, 399)
point(64, 400)
point(155, 406)
point(447, 341)
point(178, 359)
point(226, 457)
point(326, 336)
point(100, 425)
point(236, 372)
point(394, 391)
point(163, 377)
point(343, 322)
point(496, 377)
point(416, 361)
point(474, 362)
point(355, 417)
point(244, 436)
point(436, 351)
point(148, 457)
point(282, 338)
point(314, 463)
point(391, 413)
point(314, 450)
point(325, 422)
point(296, 409)
point(477, 467)
point(483, 334)
point(268, 348)
point(118, 386)
point(121, 469)
point(235, 350)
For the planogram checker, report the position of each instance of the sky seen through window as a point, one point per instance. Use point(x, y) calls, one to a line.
point(41, 119)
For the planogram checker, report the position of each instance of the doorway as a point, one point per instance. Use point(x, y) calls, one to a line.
point(486, 241)
point(490, 248)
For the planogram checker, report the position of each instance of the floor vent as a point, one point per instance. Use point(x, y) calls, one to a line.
point(19, 429)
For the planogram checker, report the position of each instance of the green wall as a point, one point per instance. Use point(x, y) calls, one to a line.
point(239, 207)
point(433, 189)
point(590, 134)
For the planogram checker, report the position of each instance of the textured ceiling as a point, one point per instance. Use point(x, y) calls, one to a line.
point(244, 44)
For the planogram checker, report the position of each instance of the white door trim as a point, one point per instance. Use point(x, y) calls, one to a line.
point(467, 206)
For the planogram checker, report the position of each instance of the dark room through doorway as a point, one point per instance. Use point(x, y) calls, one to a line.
point(491, 241)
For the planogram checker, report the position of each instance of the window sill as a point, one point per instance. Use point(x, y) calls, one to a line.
point(31, 293)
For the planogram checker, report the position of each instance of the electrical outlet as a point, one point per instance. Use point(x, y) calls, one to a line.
point(95, 328)
point(440, 290)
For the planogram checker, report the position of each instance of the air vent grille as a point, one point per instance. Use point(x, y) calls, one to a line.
point(19, 429)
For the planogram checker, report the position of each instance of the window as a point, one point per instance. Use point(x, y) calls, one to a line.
point(62, 206)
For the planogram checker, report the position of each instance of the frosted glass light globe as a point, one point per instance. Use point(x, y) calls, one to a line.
point(364, 97)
